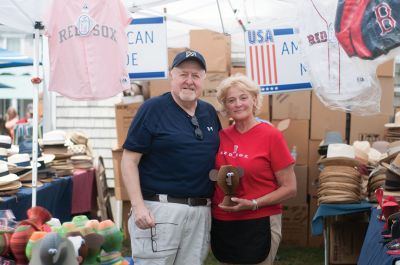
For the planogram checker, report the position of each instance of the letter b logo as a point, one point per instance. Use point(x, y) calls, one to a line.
point(383, 14)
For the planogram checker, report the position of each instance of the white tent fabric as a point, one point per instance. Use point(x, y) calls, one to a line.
point(22, 14)
point(221, 16)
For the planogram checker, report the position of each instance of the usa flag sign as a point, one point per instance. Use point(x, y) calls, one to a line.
point(274, 62)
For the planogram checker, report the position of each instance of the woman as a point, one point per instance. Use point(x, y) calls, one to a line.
point(11, 120)
point(250, 231)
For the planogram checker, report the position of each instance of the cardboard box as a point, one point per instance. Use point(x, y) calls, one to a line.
point(386, 69)
point(225, 122)
point(238, 70)
point(387, 88)
point(301, 181)
point(119, 187)
point(346, 239)
point(213, 79)
point(172, 52)
point(313, 241)
point(264, 112)
point(313, 171)
point(124, 114)
point(297, 135)
point(215, 47)
point(159, 87)
point(295, 225)
point(368, 128)
point(324, 119)
point(294, 105)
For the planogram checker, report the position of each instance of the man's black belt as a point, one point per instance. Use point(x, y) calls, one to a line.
point(187, 201)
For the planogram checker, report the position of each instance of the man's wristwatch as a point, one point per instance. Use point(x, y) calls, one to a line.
point(255, 205)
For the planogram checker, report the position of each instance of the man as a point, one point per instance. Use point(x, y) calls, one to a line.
point(169, 151)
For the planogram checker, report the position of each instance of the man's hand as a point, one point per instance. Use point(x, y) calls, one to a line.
point(144, 219)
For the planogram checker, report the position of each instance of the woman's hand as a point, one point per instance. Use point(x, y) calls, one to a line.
point(242, 205)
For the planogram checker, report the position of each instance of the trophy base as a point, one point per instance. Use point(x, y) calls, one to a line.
point(228, 202)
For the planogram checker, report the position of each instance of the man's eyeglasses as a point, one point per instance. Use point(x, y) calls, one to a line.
point(153, 237)
point(197, 131)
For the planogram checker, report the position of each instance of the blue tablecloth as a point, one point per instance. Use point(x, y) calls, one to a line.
point(317, 225)
point(55, 196)
point(373, 252)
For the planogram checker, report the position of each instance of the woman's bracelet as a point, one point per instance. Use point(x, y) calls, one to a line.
point(255, 205)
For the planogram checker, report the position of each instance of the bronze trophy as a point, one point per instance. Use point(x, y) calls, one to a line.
point(227, 178)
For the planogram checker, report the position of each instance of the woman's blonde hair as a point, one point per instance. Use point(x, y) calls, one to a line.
point(242, 82)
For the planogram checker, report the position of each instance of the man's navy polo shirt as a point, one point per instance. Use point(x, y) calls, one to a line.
point(174, 162)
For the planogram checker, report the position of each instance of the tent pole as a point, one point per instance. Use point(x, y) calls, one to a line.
point(36, 80)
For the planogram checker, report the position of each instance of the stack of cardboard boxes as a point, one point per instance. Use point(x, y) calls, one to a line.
point(369, 128)
point(310, 120)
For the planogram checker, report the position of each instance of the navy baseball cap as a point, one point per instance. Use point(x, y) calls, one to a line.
point(189, 55)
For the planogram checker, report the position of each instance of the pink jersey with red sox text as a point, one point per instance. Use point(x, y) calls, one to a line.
point(88, 48)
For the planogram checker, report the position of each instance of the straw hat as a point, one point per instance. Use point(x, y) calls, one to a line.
point(340, 154)
point(394, 166)
point(3, 154)
point(329, 179)
point(20, 161)
point(338, 199)
point(47, 158)
point(392, 151)
point(56, 137)
point(392, 181)
point(331, 137)
point(5, 176)
point(14, 185)
point(79, 138)
point(5, 141)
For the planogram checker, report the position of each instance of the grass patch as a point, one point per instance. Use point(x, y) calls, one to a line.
point(286, 255)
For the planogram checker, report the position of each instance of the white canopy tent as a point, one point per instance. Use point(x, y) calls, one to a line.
point(25, 15)
point(182, 15)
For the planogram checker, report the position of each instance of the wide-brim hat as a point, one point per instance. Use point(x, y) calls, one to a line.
point(337, 161)
point(56, 137)
point(392, 151)
point(339, 155)
point(13, 185)
point(338, 199)
point(4, 180)
point(340, 168)
point(392, 168)
point(5, 141)
point(343, 173)
point(329, 179)
point(392, 181)
point(20, 162)
point(354, 188)
point(47, 158)
point(331, 191)
point(79, 138)
point(29, 184)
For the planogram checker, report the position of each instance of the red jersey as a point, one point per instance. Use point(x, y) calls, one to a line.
point(261, 151)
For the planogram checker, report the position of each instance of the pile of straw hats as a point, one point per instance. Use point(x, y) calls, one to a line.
point(340, 180)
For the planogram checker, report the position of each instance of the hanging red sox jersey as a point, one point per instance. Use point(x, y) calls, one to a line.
point(339, 82)
point(87, 48)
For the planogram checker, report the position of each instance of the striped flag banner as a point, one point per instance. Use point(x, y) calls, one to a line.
point(273, 60)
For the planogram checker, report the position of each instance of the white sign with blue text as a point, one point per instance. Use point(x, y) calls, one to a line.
point(147, 49)
point(274, 62)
